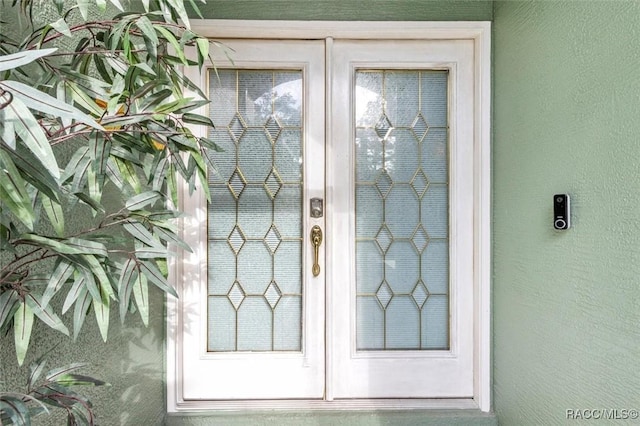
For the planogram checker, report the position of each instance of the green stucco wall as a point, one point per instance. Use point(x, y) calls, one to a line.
point(566, 305)
point(351, 10)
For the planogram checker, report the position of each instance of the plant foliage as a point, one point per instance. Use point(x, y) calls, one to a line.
point(98, 130)
point(53, 389)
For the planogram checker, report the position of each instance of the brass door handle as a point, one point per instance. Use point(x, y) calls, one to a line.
point(316, 240)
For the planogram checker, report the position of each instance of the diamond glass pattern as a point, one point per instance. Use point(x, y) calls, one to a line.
point(237, 127)
point(273, 294)
point(420, 294)
point(272, 128)
point(384, 238)
point(383, 183)
point(236, 240)
point(236, 295)
point(237, 183)
point(255, 287)
point(383, 127)
point(273, 184)
point(419, 127)
point(419, 183)
point(384, 294)
point(420, 238)
point(272, 239)
point(402, 209)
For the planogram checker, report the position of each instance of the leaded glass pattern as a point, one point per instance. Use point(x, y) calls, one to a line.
point(402, 199)
point(254, 218)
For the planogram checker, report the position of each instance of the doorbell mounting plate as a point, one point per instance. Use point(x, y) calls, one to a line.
point(561, 212)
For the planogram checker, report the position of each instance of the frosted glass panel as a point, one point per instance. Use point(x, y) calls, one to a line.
point(255, 217)
point(402, 210)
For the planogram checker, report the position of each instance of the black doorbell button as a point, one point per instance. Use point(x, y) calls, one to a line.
point(561, 211)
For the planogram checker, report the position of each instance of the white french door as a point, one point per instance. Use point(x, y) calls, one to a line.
point(401, 245)
point(370, 297)
point(253, 312)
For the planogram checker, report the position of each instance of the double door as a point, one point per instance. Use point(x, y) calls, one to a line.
point(335, 259)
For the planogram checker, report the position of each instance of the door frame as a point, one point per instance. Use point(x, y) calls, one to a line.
point(476, 31)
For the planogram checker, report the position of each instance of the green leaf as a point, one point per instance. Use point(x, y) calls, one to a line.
point(171, 237)
point(146, 27)
point(28, 129)
point(141, 200)
point(178, 6)
point(117, 4)
point(141, 233)
point(13, 192)
point(168, 35)
point(141, 295)
point(81, 174)
point(146, 252)
point(88, 201)
point(15, 409)
point(80, 310)
point(156, 277)
point(46, 314)
point(98, 270)
point(54, 374)
point(203, 50)
point(85, 246)
point(146, 68)
point(22, 326)
point(70, 246)
point(33, 171)
point(197, 119)
point(43, 102)
point(74, 293)
point(61, 26)
point(83, 99)
point(71, 168)
point(9, 301)
point(128, 172)
point(153, 100)
point(196, 9)
point(101, 309)
point(23, 57)
point(55, 214)
point(78, 380)
point(83, 6)
point(36, 371)
point(125, 286)
point(60, 275)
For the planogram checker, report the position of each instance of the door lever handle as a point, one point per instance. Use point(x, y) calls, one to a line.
point(316, 240)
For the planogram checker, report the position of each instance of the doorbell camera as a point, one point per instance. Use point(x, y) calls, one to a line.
point(561, 212)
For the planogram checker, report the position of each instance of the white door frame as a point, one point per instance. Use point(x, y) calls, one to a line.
point(480, 34)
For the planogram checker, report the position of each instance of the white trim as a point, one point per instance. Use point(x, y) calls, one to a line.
point(480, 33)
point(320, 405)
point(354, 30)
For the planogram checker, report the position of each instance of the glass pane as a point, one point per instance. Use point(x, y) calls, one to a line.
point(402, 210)
point(255, 223)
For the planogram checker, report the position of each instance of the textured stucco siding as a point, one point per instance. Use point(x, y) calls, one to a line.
point(566, 305)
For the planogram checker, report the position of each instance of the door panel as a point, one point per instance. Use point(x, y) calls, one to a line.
point(258, 331)
point(401, 245)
